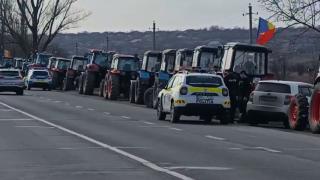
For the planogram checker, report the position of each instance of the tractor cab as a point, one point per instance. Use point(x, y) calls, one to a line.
point(42, 59)
point(7, 62)
point(207, 58)
point(168, 61)
point(124, 68)
point(247, 58)
point(18, 63)
point(183, 60)
point(52, 63)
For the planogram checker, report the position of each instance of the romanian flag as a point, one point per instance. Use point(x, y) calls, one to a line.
point(266, 31)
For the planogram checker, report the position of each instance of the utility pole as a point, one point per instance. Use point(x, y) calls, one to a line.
point(250, 22)
point(76, 48)
point(1, 32)
point(107, 38)
point(154, 35)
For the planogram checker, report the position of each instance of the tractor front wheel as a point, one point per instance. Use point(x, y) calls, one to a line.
point(113, 87)
point(314, 110)
point(298, 112)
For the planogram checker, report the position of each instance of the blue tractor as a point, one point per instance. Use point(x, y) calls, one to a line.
point(146, 75)
point(167, 69)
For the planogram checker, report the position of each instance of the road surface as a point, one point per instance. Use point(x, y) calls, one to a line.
point(66, 136)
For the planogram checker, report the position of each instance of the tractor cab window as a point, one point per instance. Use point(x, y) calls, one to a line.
point(128, 64)
point(101, 59)
point(79, 64)
point(187, 60)
point(208, 60)
point(253, 63)
point(168, 63)
point(63, 64)
point(43, 59)
point(7, 62)
point(153, 64)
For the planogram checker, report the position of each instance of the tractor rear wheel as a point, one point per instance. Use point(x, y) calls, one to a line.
point(298, 113)
point(54, 80)
point(113, 87)
point(148, 95)
point(132, 92)
point(139, 95)
point(80, 85)
point(314, 110)
point(88, 84)
point(67, 84)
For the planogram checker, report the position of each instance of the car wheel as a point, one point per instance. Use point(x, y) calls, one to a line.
point(174, 115)
point(160, 114)
point(20, 92)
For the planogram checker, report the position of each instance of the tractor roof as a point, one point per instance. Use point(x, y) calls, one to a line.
point(79, 57)
point(247, 47)
point(169, 51)
point(185, 50)
point(157, 53)
point(207, 48)
point(123, 56)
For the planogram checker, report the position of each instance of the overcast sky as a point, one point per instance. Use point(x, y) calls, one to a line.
point(127, 15)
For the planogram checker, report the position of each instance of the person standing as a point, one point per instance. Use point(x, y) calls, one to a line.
point(232, 80)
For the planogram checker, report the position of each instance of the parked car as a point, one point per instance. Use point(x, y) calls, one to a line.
point(38, 78)
point(11, 80)
point(194, 94)
point(274, 100)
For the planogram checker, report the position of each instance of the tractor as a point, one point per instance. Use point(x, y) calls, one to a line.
point(41, 60)
point(124, 68)
point(167, 69)
point(58, 72)
point(150, 66)
point(95, 71)
point(73, 73)
point(248, 62)
point(183, 60)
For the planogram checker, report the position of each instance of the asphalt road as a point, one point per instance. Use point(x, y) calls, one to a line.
point(56, 135)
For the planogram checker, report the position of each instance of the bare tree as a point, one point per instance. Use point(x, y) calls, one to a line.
point(295, 12)
point(35, 23)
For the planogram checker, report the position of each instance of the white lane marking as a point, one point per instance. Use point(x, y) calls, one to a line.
point(57, 101)
point(267, 149)
point(67, 104)
point(154, 126)
point(235, 148)
point(215, 138)
point(49, 99)
point(41, 97)
point(79, 107)
point(200, 168)
point(34, 127)
point(106, 113)
point(149, 123)
point(17, 120)
point(90, 109)
point(111, 148)
point(125, 117)
point(78, 148)
point(6, 110)
point(176, 129)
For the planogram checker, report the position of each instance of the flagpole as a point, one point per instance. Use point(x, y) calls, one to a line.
point(250, 22)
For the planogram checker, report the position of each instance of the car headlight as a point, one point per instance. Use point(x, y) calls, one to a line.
point(183, 90)
point(225, 92)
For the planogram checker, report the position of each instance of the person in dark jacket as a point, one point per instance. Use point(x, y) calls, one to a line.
point(245, 88)
point(232, 80)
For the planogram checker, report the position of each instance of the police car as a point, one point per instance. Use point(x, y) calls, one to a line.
point(38, 78)
point(194, 94)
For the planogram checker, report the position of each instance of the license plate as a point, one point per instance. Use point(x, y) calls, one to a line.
point(41, 81)
point(205, 100)
point(268, 98)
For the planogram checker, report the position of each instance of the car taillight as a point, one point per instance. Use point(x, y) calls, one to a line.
point(183, 90)
point(251, 97)
point(225, 92)
point(288, 99)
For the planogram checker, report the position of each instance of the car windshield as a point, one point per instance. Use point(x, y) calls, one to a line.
point(204, 81)
point(9, 73)
point(40, 73)
point(253, 63)
point(208, 60)
point(273, 87)
point(43, 59)
point(101, 59)
point(128, 64)
point(305, 90)
point(153, 63)
point(63, 64)
point(79, 63)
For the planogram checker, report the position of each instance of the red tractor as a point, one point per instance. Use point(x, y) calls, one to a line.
point(124, 68)
point(58, 72)
point(95, 71)
point(71, 80)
